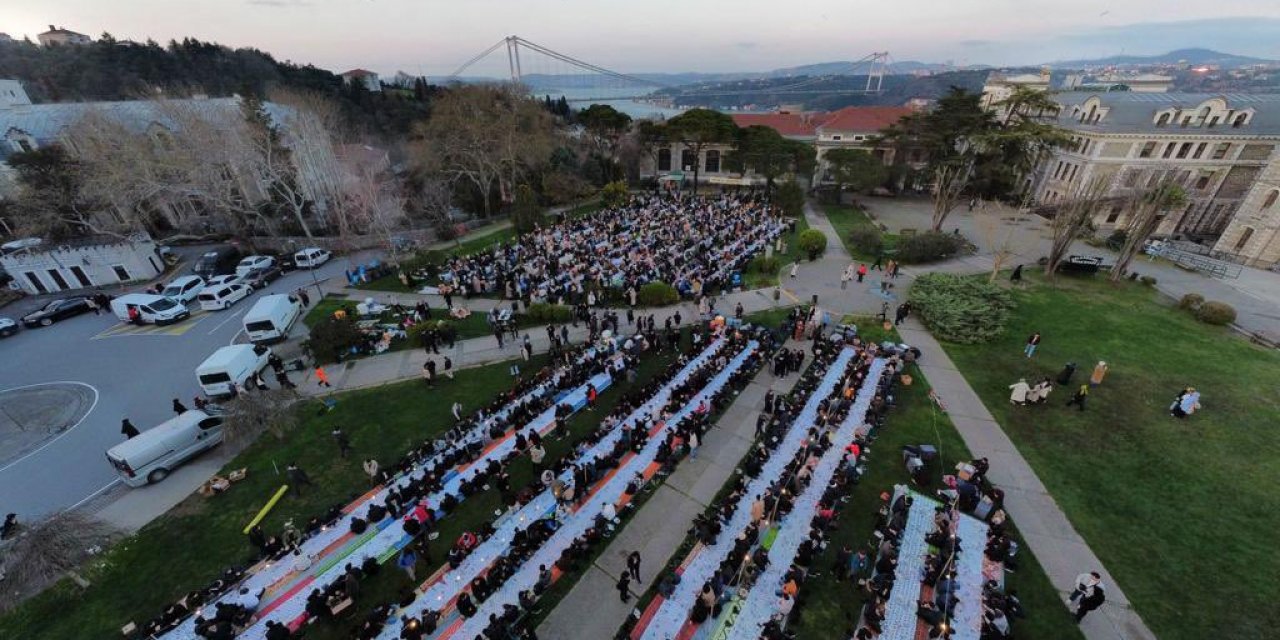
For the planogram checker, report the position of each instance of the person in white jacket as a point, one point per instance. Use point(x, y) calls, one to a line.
point(1020, 389)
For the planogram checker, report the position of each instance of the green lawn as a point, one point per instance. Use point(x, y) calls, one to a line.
point(187, 547)
point(1182, 512)
point(753, 279)
point(846, 218)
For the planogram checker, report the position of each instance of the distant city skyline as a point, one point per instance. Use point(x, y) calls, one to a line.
point(432, 38)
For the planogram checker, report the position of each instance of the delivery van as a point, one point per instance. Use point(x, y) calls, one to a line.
point(151, 309)
point(231, 365)
point(150, 456)
point(311, 257)
point(271, 317)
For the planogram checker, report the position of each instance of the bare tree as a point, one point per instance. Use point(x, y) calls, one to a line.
point(1145, 211)
point(48, 550)
point(1004, 238)
point(1073, 219)
point(251, 413)
point(949, 182)
point(372, 203)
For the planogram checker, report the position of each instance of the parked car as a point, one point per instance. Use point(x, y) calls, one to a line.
point(311, 257)
point(262, 276)
point(219, 298)
point(226, 280)
point(184, 289)
point(150, 309)
point(254, 262)
point(7, 327)
point(57, 310)
point(220, 260)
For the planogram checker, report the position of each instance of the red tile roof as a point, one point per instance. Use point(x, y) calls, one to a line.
point(787, 124)
point(864, 119)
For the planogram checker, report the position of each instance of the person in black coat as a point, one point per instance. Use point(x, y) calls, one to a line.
point(128, 429)
point(1092, 599)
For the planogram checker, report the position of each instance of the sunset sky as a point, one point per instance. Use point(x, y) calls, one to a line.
point(433, 37)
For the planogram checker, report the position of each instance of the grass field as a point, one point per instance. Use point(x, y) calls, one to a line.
point(756, 279)
point(187, 547)
point(846, 218)
point(1182, 512)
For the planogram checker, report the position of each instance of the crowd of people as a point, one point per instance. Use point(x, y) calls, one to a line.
point(694, 243)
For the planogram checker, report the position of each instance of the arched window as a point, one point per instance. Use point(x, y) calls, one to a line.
point(664, 159)
point(688, 160)
point(1240, 119)
point(713, 162)
point(1204, 115)
point(1164, 119)
point(1271, 198)
point(1244, 238)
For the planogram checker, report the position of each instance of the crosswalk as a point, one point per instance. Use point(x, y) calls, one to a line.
point(175, 329)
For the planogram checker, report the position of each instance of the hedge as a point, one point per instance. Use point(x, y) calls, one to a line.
point(1191, 301)
point(1214, 312)
point(331, 338)
point(961, 309)
point(657, 294)
point(928, 247)
point(544, 313)
point(812, 242)
point(867, 240)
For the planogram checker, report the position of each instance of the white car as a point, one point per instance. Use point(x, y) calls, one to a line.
point(184, 289)
point(254, 262)
point(311, 257)
point(217, 282)
point(7, 327)
point(219, 298)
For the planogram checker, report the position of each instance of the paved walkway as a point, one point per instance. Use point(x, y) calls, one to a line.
point(1055, 543)
point(662, 523)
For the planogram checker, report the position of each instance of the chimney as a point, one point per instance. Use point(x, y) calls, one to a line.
point(52, 28)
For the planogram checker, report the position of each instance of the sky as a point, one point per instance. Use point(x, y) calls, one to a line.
point(434, 37)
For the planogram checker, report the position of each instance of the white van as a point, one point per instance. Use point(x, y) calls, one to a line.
point(215, 299)
point(230, 365)
point(271, 317)
point(153, 454)
point(152, 309)
point(311, 257)
point(184, 289)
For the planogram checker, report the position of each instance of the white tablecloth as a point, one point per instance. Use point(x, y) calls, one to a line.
point(673, 611)
point(900, 612)
point(575, 524)
point(967, 617)
point(761, 601)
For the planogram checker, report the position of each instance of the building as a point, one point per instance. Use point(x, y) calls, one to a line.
point(1138, 83)
point(83, 263)
point(59, 35)
point(850, 127)
point(1220, 147)
point(12, 95)
point(368, 78)
point(998, 86)
point(4, 37)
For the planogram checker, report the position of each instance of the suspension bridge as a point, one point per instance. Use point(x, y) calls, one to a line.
point(538, 68)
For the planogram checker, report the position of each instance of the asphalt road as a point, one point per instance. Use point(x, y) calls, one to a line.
point(135, 375)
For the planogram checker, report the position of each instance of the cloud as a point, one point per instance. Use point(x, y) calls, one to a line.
point(1240, 35)
point(976, 44)
point(746, 45)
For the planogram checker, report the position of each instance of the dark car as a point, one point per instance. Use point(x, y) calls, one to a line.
point(216, 262)
point(262, 276)
point(57, 310)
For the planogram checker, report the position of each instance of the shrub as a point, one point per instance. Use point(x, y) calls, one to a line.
point(928, 247)
point(613, 195)
point(332, 338)
point(545, 313)
point(812, 242)
point(961, 309)
point(867, 240)
point(1214, 312)
point(657, 294)
point(1191, 301)
point(1149, 281)
point(765, 264)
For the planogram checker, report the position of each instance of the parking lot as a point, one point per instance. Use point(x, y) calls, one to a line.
point(133, 371)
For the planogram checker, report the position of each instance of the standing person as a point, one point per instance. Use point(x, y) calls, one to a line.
point(306, 299)
point(862, 271)
point(901, 313)
point(795, 266)
point(178, 407)
point(633, 566)
point(429, 372)
point(738, 311)
point(1016, 276)
point(457, 410)
point(370, 467)
point(1099, 372)
point(624, 587)
point(297, 477)
point(283, 380)
point(1032, 343)
point(408, 562)
point(322, 378)
point(846, 276)
point(591, 397)
point(694, 443)
point(448, 367)
point(631, 317)
point(897, 267)
point(1079, 397)
point(344, 442)
point(128, 429)
point(1092, 599)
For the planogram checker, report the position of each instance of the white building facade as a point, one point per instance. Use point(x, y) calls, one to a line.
point(87, 263)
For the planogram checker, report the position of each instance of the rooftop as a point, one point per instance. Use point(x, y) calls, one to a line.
point(1133, 112)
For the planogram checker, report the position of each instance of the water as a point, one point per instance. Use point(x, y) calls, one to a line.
point(633, 108)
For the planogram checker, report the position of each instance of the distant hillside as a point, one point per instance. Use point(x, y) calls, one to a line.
point(1189, 56)
point(819, 92)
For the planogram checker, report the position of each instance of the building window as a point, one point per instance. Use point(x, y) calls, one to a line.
point(713, 162)
point(1115, 214)
point(1168, 150)
point(1147, 149)
point(36, 282)
point(58, 280)
point(24, 145)
point(1271, 199)
point(1184, 150)
point(688, 160)
point(835, 137)
point(1164, 119)
point(1240, 120)
point(1213, 122)
point(1244, 238)
point(1186, 121)
point(1199, 150)
point(1202, 183)
point(1221, 150)
point(81, 276)
point(121, 273)
point(664, 159)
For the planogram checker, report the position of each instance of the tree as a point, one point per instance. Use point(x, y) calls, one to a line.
point(48, 550)
point(813, 242)
point(790, 198)
point(49, 201)
point(613, 195)
point(766, 152)
point(1145, 211)
point(605, 127)
point(651, 138)
point(1004, 238)
point(252, 413)
point(526, 215)
point(698, 129)
point(1072, 220)
point(855, 169)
